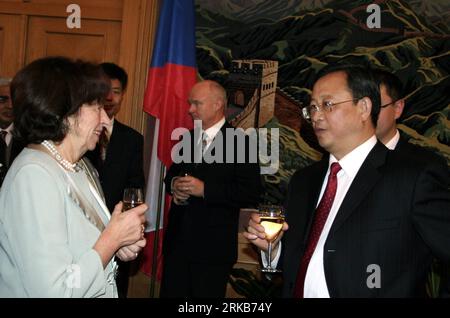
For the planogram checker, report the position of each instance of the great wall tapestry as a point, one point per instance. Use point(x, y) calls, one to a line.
point(267, 53)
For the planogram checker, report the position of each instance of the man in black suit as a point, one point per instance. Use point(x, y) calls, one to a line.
point(9, 146)
point(200, 244)
point(118, 156)
point(387, 215)
point(392, 105)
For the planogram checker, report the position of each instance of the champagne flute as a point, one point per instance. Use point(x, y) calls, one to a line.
point(132, 197)
point(272, 219)
point(184, 173)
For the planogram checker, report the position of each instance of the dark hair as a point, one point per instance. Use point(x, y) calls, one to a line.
point(392, 83)
point(49, 90)
point(114, 71)
point(361, 83)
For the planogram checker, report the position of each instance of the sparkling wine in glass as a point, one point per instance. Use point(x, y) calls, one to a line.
point(272, 219)
point(132, 197)
point(184, 173)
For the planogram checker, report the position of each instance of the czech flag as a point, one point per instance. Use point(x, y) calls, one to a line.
point(172, 72)
point(171, 76)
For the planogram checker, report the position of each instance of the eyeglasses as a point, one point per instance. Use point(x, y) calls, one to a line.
point(327, 106)
point(4, 99)
point(386, 105)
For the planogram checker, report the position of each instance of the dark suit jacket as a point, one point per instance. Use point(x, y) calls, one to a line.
point(417, 152)
point(16, 147)
point(206, 229)
point(396, 214)
point(123, 163)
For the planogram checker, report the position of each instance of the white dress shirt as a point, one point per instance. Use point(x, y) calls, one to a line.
point(104, 144)
point(315, 282)
point(391, 144)
point(210, 133)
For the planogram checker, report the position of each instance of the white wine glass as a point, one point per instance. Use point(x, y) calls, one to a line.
point(272, 219)
point(132, 197)
point(184, 173)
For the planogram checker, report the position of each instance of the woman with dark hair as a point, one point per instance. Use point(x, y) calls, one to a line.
point(57, 238)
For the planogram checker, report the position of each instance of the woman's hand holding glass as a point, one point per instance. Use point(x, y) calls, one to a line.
point(132, 197)
point(123, 229)
point(128, 226)
point(131, 252)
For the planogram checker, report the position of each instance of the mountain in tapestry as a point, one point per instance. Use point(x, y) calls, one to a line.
point(304, 36)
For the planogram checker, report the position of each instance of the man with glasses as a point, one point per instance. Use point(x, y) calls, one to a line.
point(9, 147)
point(392, 104)
point(364, 221)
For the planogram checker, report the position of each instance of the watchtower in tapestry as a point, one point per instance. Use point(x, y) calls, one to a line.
point(251, 92)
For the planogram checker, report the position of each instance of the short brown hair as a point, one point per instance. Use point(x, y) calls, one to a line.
point(49, 90)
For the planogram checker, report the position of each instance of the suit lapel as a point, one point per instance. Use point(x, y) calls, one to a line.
point(115, 143)
point(313, 195)
point(366, 178)
point(402, 144)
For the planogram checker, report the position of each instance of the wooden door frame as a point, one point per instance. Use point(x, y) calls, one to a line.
point(139, 23)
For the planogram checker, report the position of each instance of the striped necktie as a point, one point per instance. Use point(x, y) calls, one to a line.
point(320, 217)
point(204, 141)
point(103, 142)
point(3, 146)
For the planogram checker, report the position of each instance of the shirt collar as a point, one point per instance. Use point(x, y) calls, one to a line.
point(212, 131)
point(352, 161)
point(391, 144)
point(9, 129)
point(8, 136)
point(110, 128)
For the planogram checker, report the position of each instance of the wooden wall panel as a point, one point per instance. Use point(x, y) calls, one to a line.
point(98, 9)
point(120, 31)
point(110, 4)
point(12, 34)
point(139, 24)
point(96, 41)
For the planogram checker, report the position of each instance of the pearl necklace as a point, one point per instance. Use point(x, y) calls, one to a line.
point(73, 167)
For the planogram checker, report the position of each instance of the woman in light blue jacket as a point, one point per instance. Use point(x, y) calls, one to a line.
point(57, 238)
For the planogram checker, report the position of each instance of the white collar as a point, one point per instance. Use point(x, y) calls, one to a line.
point(352, 161)
point(212, 131)
point(391, 144)
point(9, 128)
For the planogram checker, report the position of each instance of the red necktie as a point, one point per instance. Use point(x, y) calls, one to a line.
point(322, 211)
